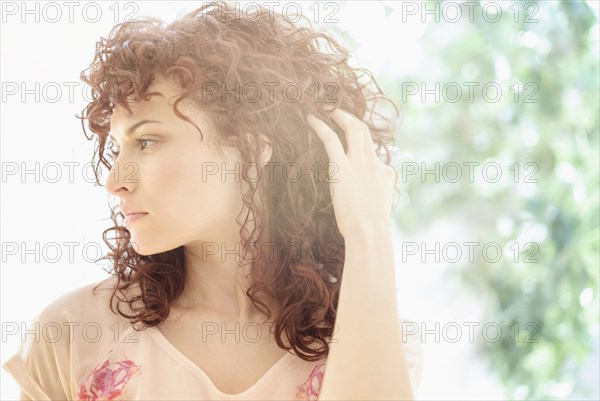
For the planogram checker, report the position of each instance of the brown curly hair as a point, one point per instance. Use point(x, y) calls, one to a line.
point(213, 45)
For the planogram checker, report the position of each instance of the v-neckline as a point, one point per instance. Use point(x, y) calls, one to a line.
point(273, 371)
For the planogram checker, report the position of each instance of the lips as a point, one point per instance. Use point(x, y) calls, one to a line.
point(131, 217)
point(129, 210)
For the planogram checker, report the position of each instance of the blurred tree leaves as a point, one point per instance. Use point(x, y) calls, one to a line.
point(547, 121)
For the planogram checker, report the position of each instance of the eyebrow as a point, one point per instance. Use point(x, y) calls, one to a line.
point(135, 126)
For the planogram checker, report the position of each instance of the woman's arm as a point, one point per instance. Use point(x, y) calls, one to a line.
point(366, 359)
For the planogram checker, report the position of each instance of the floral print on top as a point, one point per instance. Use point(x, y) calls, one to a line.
point(108, 381)
point(309, 391)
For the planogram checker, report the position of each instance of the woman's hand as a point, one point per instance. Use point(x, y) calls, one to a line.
point(362, 187)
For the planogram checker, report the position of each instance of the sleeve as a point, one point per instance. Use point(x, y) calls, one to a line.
point(413, 350)
point(41, 365)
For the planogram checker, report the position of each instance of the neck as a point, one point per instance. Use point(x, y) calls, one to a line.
point(218, 287)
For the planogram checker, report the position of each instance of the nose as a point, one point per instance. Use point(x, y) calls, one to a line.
point(122, 177)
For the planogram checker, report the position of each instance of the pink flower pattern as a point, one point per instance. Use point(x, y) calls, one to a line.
point(107, 381)
point(309, 391)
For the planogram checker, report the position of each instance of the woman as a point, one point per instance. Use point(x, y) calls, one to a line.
point(244, 161)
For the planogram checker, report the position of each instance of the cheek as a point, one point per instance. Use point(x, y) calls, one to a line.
point(191, 191)
point(175, 185)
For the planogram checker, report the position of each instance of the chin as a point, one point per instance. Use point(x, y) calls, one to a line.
point(145, 249)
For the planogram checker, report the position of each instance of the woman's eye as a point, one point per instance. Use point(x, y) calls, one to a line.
point(140, 141)
point(114, 153)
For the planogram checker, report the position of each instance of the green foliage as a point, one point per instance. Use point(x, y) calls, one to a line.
point(551, 128)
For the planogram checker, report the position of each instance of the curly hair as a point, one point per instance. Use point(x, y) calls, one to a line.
point(212, 45)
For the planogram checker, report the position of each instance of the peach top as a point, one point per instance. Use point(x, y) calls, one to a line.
point(83, 351)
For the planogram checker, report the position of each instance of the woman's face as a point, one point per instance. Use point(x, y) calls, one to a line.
point(191, 194)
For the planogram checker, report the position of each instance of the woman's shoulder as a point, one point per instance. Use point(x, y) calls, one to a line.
point(90, 302)
point(65, 341)
point(81, 321)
